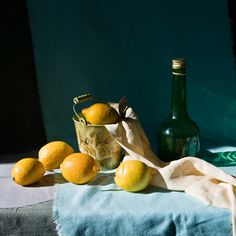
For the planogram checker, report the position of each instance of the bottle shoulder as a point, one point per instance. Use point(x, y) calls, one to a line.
point(183, 126)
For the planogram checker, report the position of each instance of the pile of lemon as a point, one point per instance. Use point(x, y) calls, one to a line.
point(80, 168)
point(77, 168)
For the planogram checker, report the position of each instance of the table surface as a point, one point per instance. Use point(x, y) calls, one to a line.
point(18, 220)
point(29, 220)
point(25, 210)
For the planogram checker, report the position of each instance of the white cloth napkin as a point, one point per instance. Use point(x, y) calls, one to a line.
point(14, 195)
point(196, 177)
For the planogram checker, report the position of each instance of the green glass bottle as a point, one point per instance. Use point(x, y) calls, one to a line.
point(178, 135)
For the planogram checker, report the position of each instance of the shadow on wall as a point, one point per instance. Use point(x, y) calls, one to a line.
point(112, 49)
point(21, 119)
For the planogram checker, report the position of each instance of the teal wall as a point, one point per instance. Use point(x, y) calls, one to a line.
point(124, 48)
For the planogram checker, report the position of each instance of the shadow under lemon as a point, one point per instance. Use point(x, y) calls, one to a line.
point(49, 179)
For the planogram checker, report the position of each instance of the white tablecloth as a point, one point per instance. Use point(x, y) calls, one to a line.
point(14, 195)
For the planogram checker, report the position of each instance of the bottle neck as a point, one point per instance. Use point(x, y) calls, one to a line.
point(178, 99)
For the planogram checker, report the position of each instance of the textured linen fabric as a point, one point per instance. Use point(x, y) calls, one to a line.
point(33, 220)
point(101, 209)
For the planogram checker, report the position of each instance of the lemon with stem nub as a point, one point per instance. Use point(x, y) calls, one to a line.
point(132, 175)
point(79, 168)
point(101, 114)
point(27, 171)
point(54, 153)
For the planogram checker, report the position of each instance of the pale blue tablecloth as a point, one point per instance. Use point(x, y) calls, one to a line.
point(101, 209)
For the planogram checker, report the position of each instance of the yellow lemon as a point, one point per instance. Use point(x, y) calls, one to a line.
point(27, 171)
point(101, 114)
point(79, 168)
point(53, 154)
point(132, 175)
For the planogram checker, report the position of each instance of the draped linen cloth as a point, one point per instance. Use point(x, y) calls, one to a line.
point(195, 176)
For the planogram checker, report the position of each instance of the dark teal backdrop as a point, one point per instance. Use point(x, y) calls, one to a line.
point(124, 48)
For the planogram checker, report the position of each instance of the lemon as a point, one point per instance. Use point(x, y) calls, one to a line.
point(101, 114)
point(79, 168)
point(132, 175)
point(53, 154)
point(27, 171)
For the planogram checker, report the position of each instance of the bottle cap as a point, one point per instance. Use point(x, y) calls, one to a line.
point(178, 63)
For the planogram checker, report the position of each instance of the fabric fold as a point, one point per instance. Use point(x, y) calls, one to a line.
point(195, 176)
